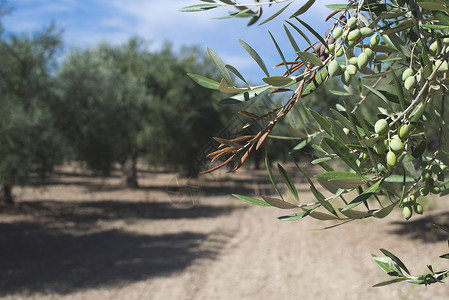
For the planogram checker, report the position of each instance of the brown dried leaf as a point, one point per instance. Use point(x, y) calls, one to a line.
point(227, 142)
point(262, 139)
point(220, 165)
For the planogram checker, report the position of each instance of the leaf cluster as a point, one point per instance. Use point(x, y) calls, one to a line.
point(392, 60)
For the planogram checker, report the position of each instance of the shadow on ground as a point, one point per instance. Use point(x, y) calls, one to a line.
point(422, 228)
point(87, 212)
point(59, 247)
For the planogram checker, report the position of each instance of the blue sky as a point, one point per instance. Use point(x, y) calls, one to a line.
point(86, 23)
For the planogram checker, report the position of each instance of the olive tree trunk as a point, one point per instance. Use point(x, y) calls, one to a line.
point(7, 194)
point(129, 172)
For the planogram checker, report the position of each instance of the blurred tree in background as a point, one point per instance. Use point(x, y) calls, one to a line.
point(183, 115)
point(28, 138)
point(102, 102)
point(106, 105)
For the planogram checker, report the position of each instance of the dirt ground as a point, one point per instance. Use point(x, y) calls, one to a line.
point(84, 237)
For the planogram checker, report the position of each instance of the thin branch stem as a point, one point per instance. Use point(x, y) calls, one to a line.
point(421, 92)
point(369, 92)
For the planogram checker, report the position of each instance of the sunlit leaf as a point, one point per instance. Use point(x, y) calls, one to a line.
point(395, 259)
point(303, 8)
point(322, 216)
point(224, 88)
point(275, 14)
point(288, 182)
point(390, 281)
point(298, 216)
point(355, 214)
point(319, 79)
point(255, 56)
point(237, 73)
point(204, 81)
point(279, 51)
point(316, 34)
point(343, 153)
point(198, 7)
point(279, 203)
point(363, 196)
point(216, 60)
point(278, 80)
point(291, 39)
point(337, 6)
point(304, 36)
point(388, 265)
point(251, 200)
point(245, 96)
point(322, 121)
point(399, 44)
point(343, 180)
point(307, 56)
point(383, 212)
point(270, 175)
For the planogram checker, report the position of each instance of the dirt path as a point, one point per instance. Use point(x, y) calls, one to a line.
point(83, 238)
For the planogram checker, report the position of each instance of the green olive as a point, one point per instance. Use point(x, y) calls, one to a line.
point(346, 79)
point(435, 190)
point(334, 68)
point(340, 51)
point(350, 44)
point(407, 212)
point(410, 82)
point(444, 66)
point(396, 145)
point(366, 31)
point(354, 35)
point(352, 22)
point(391, 159)
point(418, 208)
point(404, 131)
point(353, 60)
point(374, 40)
point(369, 53)
point(446, 40)
point(351, 69)
point(381, 126)
point(426, 174)
point(434, 48)
point(407, 73)
point(424, 191)
point(362, 60)
point(338, 32)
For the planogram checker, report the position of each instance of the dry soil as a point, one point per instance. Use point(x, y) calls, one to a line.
point(84, 237)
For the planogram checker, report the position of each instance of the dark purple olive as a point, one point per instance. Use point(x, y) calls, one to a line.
point(317, 48)
point(322, 48)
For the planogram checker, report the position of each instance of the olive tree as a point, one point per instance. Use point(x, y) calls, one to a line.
point(29, 140)
point(101, 103)
point(392, 58)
